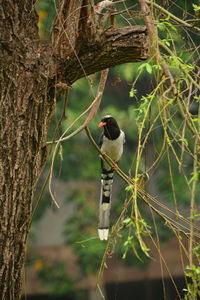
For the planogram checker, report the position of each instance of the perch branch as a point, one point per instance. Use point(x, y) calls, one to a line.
point(115, 46)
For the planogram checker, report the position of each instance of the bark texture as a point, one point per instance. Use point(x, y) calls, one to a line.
point(28, 72)
point(25, 112)
point(116, 46)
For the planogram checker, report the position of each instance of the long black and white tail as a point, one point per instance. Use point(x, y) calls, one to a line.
point(105, 203)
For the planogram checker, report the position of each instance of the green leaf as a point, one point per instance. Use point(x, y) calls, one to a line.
point(148, 68)
point(196, 7)
point(195, 177)
point(171, 26)
point(127, 221)
point(161, 26)
point(128, 188)
point(197, 98)
point(157, 67)
point(195, 120)
point(132, 92)
point(185, 141)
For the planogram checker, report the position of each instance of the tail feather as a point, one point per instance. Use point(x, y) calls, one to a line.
point(105, 204)
point(103, 234)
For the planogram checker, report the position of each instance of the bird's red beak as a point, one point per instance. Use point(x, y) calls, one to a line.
point(102, 124)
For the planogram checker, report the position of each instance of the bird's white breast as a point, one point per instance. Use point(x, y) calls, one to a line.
point(114, 148)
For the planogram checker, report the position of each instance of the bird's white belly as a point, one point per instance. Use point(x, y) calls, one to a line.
point(113, 148)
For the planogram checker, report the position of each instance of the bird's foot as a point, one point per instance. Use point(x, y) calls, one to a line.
point(103, 154)
point(115, 166)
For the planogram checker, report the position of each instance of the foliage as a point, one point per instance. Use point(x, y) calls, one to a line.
point(193, 287)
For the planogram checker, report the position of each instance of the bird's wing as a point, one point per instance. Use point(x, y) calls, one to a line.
point(100, 142)
point(124, 141)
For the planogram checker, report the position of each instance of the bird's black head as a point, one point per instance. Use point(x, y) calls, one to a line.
point(111, 128)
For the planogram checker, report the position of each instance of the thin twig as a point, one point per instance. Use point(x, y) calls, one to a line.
point(62, 117)
point(192, 205)
point(93, 109)
point(175, 18)
point(181, 67)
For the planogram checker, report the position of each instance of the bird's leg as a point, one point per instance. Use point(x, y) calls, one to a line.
point(115, 165)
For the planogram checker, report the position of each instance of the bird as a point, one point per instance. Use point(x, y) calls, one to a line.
point(111, 142)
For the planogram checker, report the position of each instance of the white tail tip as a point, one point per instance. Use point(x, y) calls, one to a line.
point(103, 233)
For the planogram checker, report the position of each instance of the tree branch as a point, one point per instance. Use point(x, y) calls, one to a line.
point(117, 46)
point(81, 45)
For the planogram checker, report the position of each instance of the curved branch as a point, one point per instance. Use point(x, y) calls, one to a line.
point(93, 109)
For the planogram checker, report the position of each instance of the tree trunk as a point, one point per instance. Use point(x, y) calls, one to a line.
point(24, 117)
point(27, 81)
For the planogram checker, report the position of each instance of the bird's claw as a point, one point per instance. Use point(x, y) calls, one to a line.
point(115, 166)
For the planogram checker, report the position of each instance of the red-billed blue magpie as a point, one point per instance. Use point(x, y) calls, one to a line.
point(111, 142)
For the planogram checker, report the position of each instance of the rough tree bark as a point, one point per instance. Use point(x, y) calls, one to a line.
point(25, 112)
point(28, 74)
